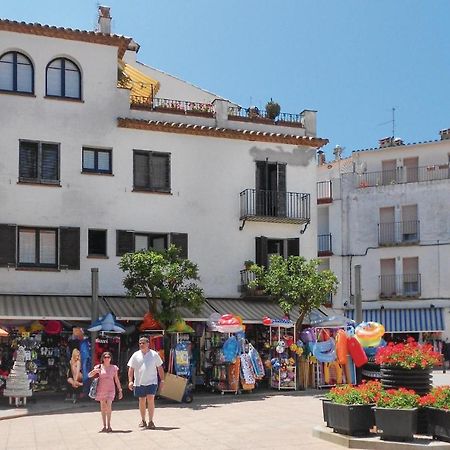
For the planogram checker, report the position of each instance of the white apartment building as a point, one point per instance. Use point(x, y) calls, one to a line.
point(386, 209)
point(102, 154)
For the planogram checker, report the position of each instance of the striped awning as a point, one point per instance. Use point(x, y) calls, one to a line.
point(407, 320)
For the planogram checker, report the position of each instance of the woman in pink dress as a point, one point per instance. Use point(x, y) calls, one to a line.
point(108, 379)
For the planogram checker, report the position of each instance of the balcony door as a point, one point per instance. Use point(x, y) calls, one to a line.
point(411, 166)
point(265, 248)
point(387, 226)
point(270, 189)
point(409, 223)
point(389, 169)
point(411, 282)
point(387, 278)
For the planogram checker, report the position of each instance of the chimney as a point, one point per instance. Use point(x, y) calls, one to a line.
point(321, 158)
point(337, 152)
point(386, 142)
point(104, 19)
point(445, 134)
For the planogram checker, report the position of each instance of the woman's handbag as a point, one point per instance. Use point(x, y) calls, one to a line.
point(93, 387)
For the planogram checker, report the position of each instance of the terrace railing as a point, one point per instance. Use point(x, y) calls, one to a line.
point(324, 192)
point(406, 285)
point(395, 233)
point(172, 106)
point(257, 115)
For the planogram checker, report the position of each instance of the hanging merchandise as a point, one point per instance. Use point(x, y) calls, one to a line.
point(356, 352)
point(149, 323)
point(230, 349)
point(228, 323)
point(181, 359)
point(369, 334)
point(258, 366)
point(17, 383)
point(248, 379)
point(107, 323)
point(325, 351)
point(180, 327)
point(341, 346)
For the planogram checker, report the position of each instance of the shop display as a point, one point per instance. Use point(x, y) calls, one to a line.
point(17, 383)
point(107, 323)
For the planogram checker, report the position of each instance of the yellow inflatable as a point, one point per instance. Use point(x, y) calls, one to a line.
point(369, 334)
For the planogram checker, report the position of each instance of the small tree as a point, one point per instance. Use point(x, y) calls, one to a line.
point(166, 280)
point(295, 283)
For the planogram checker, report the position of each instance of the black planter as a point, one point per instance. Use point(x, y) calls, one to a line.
point(396, 424)
point(419, 380)
point(352, 420)
point(325, 407)
point(439, 423)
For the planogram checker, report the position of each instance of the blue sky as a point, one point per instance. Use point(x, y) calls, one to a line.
point(351, 60)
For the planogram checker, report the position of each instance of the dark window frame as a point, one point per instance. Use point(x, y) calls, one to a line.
point(100, 255)
point(63, 79)
point(37, 262)
point(96, 152)
point(14, 90)
point(39, 178)
point(151, 188)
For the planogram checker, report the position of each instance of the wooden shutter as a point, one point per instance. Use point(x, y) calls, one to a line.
point(141, 170)
point(7, 245)
point(28, 160)
point(160, 171)
point(293, 247)
point(124, 242)
point(50, 162)
point(261, 251)
point(281, 191)
point(180, 240)
point(69, 254)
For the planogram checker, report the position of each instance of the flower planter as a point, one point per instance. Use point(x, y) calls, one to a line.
point(396, 424)
point(439, 423)
point(419, 380)
point(325, 407)
point(352, 420)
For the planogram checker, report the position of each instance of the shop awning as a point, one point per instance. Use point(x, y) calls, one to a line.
point(408, 320)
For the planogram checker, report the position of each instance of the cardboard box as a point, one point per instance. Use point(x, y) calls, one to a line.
point(173, 387)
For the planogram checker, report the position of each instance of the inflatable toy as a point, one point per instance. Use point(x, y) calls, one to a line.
point(229, 324)
point(107, 323)
point(325, 351)
point(371, 351)
point(356, 351)
point(230, 349)
point(149, 323)
point(332, 373)
point(180, 327)
point(341, 346)
point(307, 336)
point(350, 372)
point(52, 327)
point(369, 334)
point(284, 323)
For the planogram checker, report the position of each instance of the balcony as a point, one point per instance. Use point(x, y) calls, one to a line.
point(274, 206)
point(324, 245)
point(403, 175)
point(258, 116)
point(398, 233)
point(324, 192)
point(172, 106)
point(406, 285)
point(246, 278)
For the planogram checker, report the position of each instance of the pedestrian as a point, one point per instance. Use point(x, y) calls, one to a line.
point(108, 380)
point(143, 369)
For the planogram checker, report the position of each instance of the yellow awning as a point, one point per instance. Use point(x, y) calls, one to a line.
point(139, 84)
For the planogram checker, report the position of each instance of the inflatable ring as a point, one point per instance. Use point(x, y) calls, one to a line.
point(325, 351)
point(369, 334)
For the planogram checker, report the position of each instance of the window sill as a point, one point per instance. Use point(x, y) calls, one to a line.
point(104, 174)
point(38, 269)
point(150, 191)
point(22, 94)
point(97, 257)
point(67, 99)
point(38, 183)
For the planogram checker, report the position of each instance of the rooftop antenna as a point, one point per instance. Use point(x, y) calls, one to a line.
point(392, 121)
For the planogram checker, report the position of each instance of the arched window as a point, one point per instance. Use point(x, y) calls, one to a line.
point(63, 79)
point(16, 73)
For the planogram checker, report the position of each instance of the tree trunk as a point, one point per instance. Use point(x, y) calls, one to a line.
point(300, 320)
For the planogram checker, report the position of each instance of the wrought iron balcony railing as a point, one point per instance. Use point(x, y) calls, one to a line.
point(258, 115)
point(274, 206)
point(396, 233)
point(324, 245)
point(324, 192)
point(403, 175)
point(406, 285)
point(172, 106)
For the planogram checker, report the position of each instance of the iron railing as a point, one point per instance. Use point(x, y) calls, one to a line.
point(246, 277)
point(324, 192)
point(286, 206)
point(172, 106)
point(403, 175)
point(324, 244)
point(406, 285)
point(255, 114)
point(395, 233)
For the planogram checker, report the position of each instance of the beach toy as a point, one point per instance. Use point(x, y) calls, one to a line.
point(341, 346)
point(356, 351)
point(350, 371)
point(369, 334)
point(107, 323)
point(180, 327)
point(284, 323)
point(149, 323)
point(52, 327)
point(229, 324)
point(325, 351)
point(307, 336)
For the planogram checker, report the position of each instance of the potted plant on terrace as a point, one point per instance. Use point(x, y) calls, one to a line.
point(396, 414)
point(272, 109)
point(349, 409)
point(437, 404)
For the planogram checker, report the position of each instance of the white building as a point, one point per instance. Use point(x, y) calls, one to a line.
point(95, 164)
point(389, 213)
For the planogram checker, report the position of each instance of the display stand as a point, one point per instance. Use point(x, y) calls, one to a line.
point(156, 341)
point(283, 374)
point(224, 376)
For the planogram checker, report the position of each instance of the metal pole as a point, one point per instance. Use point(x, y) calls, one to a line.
point(94, 308)
point(358, 297)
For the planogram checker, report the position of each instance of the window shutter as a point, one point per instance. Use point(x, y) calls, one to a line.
point(28, 156)
point(180, 240)
point(261, 251)
point(293, 247)
point(141, 170)
point(69, 241)
point(49, 164)
point(124, 242)
point(281, 168)
point(7, 245)
point(160, 171)
point(281, 200)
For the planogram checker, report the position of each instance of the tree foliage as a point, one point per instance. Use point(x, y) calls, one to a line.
point(295, 283)
point(166, 280)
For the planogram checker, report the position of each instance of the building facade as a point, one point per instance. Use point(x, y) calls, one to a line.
point(103, 155)
point(386, 210)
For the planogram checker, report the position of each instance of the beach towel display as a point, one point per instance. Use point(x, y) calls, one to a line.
point(258, 366)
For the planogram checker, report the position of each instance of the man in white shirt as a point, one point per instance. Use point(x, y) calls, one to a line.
point(143, 369)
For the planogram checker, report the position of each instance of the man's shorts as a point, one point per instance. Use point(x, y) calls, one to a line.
point(143, 391)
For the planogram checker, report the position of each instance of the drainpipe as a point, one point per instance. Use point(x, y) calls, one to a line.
point(358, 296)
